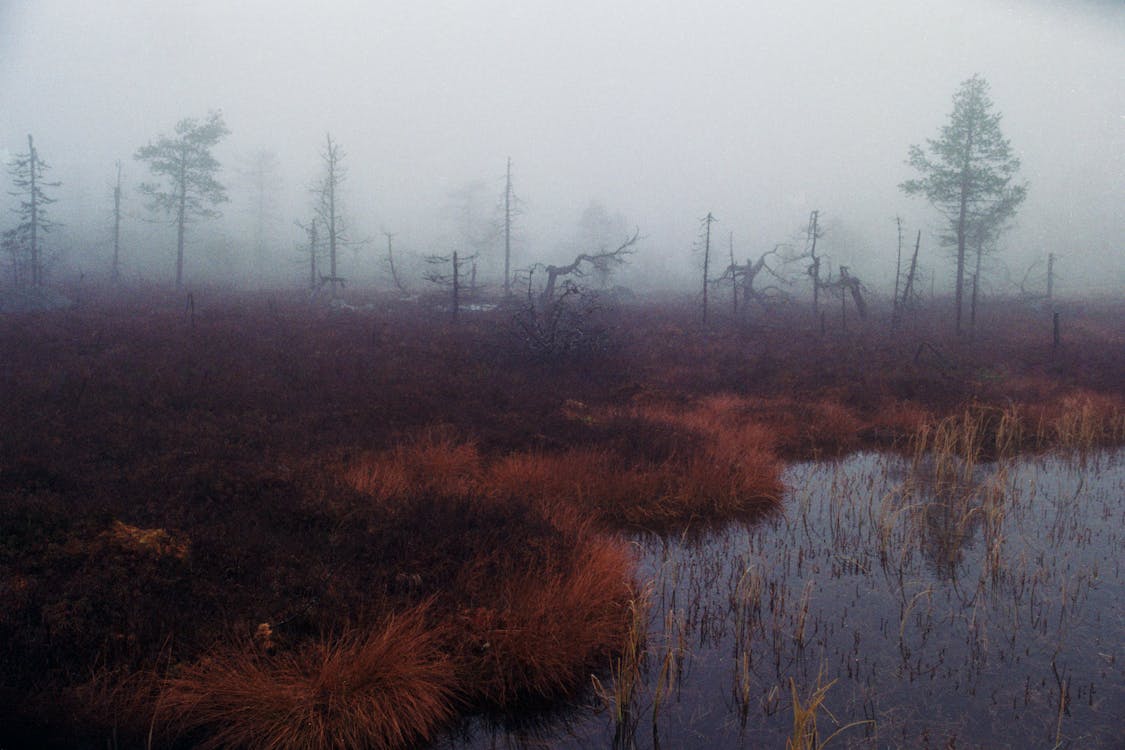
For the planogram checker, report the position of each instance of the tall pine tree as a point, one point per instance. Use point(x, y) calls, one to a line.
point(24, 242)
point(185, 164)
point(967, 173)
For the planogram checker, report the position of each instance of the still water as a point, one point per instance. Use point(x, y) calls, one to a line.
point(924, 604)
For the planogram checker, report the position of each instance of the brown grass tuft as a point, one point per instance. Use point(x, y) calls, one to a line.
point(433, 462)
point(155, 542)
point(387, 688)
point(543, 631)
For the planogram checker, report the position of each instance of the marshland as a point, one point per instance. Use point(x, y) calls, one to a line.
point(634, 375)
point(262, 521)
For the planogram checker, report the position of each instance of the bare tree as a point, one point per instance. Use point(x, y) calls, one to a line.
point(743, 276)
point(313, 249)
point(116, 268)
point(511, 211)
point(705, 239)
point(391, 262)
point(451, 279)
point(898, 267)
point(328, 208)
point(812, 234)
point(908, 292)
point(604, 260)
point(189, 170)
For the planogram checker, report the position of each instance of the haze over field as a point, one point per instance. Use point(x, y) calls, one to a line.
point(661, 111)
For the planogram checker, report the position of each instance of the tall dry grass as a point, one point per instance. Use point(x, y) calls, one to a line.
point(388, 688)
point(537, 634)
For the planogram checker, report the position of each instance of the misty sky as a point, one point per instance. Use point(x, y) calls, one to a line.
point(662, 111)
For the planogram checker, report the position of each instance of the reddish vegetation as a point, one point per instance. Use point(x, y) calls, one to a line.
point(390, 686)
point(425, 519)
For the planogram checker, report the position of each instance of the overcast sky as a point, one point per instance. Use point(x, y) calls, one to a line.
point(663, 111)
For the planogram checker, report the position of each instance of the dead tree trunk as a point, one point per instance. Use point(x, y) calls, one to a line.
point(734, 279)
point(908, 288)
point(391, 263)
point(508, 230)
point(576, 267)
point(36, 264)
point(1050, 277)
point(312, 255)
point(898, 268)
point(814, 269)
point(456, 286)
point(116, 271)
point(707, 221)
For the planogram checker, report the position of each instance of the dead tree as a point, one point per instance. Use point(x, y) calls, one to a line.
point(908, 287)
point(328, 207)
point(391, 262)
point(706, 221)
point(509, 207)
point(855, 288)
point(1050, 277)
point(847, 284)
point(313, 248)
point(451, 279)
point(812, 234)
point(733, 279)
point(605, 261)
point(116, 270)
point(744, 276)
point(898, 268)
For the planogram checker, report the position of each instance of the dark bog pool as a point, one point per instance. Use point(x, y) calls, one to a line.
point(893, 603)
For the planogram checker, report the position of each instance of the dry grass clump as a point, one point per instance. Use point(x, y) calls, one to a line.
point(790, 426)
point(539, 633)
point(386, 688)
point(156, 542)
point(1082, 421)
point(897, 421)
point(710, 463)
point(433, 462)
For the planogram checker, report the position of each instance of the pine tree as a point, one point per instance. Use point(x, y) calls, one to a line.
point(23, 242)
point(967, 174)
point(189, 171)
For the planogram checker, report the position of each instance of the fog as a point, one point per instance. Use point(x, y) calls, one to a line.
point(659, 111)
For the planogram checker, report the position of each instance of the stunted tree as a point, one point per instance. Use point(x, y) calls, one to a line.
point(743, 277)
point(328, 207)
point(564, 320)
point(23, 242)
point(454, 278)
point(602, 261)
point(967, 173)
point(189, 188)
